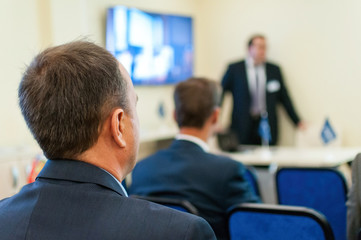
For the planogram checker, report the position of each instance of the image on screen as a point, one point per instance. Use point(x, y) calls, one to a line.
point(155, 49)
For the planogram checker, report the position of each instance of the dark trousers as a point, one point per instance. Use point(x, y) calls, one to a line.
point(254, 138)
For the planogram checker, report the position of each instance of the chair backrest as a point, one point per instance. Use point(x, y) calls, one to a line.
point(264, 221)
point(252, 178)
point(322, 189)
point(178, 204)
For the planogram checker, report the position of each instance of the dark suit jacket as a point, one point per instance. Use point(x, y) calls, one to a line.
point(75, 200)
point(184, 171)
point(235, 81)
point(354, 201)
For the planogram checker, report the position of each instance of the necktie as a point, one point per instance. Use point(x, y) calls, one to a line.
point(256, 97)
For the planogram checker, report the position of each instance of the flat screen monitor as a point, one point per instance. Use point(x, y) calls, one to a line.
point(155, 49)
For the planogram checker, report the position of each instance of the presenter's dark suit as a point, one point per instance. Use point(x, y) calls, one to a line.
point(354, 201)
point(76, 200)
point(235, 81)
point(184, 171)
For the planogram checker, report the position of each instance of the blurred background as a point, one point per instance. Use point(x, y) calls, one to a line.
point(317, 44)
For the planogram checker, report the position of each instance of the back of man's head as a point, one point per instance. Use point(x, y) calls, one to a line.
point(66, 94)
point(195, 100)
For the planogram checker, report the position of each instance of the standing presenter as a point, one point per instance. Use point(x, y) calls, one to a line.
point(257, 87)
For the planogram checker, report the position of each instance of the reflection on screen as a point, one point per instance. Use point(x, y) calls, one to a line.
point(154, 48)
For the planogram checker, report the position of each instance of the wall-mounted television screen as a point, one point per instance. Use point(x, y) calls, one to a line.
point(155, 49)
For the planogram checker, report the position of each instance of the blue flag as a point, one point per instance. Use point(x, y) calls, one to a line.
point(161, 110)
point(327, 133)
point(264, 130)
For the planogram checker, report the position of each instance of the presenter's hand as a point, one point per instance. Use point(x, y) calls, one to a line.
point(302, 126)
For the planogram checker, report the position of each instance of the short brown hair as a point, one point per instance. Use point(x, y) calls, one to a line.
point(195, 99)
point(66, 94)
point(250, 41)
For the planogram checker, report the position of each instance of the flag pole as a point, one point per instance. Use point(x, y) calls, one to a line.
point(265, 134)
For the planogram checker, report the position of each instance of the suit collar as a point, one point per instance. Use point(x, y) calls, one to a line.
point(247, 61)
point(77, 171)
point(194, 140)
point(250, 62)
point(185, 144)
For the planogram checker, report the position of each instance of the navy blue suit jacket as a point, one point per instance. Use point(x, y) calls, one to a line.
point(184, 171)
point(75, 200)
point(235, 81)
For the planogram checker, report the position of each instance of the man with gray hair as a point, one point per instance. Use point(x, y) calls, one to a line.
point(80, 105)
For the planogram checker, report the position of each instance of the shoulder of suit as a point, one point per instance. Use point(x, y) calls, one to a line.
point(157, 210)
point(225, 160)
point(237, 63)
point(358, 157)
point(272, 64)
point(174, 220)
point(357, 161)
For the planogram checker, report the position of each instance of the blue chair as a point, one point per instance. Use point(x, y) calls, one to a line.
point(264, 221)
point(178, 204)
point(323, 189)
point(124, 184)
point(252, 178)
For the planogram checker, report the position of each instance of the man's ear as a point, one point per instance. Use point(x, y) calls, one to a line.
point(175, 116)
point(118, 127)
point(215, 115)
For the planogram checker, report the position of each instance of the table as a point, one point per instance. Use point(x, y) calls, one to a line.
point(267, 160)
point(295, 157)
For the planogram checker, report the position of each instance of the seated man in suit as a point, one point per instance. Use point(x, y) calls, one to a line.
point(80, 106)
point(186, 170)
point(354, 201)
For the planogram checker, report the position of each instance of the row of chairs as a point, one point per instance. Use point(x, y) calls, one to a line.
point(312, 206)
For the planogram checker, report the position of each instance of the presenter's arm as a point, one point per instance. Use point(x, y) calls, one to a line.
point(302, 125)
point(227, 82)
point(200, 229)
point(287, 102)
point(353, 206)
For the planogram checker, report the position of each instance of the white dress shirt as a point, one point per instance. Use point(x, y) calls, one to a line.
point(120, 184)
point(193, 139)
point(258, 94)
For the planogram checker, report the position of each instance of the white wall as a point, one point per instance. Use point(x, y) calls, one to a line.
point(19, 42)
point(317, 43)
